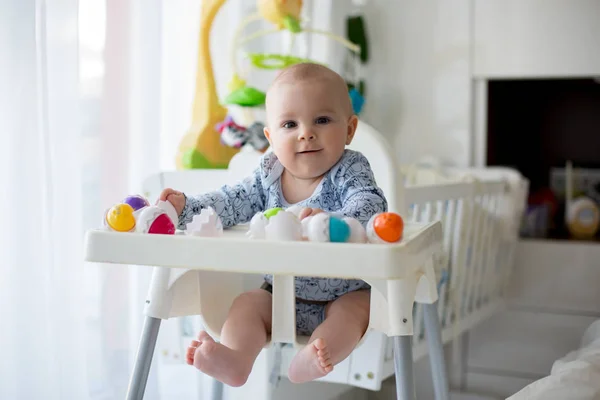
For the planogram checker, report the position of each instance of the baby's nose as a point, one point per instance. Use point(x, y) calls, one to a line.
point(306, 134)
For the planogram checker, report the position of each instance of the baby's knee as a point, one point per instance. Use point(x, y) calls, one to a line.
point(353, 306)
point(255, 299)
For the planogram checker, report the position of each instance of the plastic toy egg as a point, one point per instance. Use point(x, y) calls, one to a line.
point(206, 224)
point(272, 212)
point(258, 223)
point(154, 220)
point(339, 230)
point(326, 228)
point(136, 202)
point(295, 210)
point(358, 234)
point(167, 207)
point(283, 226)
point(136, 213)
point(120, 218)
point(385, 228)
point(317, 229)
point(305, 223)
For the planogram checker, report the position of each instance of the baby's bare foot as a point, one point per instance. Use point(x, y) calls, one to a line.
point(222, 363)
point(312, 362)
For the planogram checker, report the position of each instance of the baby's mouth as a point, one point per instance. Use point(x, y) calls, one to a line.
point(309, 151)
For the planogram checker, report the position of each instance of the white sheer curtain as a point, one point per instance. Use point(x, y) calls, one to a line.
point(77, 133)
point(90, 104)
point(41, 307)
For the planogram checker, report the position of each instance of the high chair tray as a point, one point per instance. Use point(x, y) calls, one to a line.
point(234, 252)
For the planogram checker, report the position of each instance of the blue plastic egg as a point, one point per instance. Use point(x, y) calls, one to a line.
point(339, 230)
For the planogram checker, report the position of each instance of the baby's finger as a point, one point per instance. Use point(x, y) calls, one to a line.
point(165, 193)
point(316, 211)
point(305, 212)
point(189, 356)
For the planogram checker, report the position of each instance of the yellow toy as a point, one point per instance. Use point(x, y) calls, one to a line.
point(282, 13)
point(205, 146)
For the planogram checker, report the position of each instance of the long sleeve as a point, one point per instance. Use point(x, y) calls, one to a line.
point(360, 196)
point(235, 204)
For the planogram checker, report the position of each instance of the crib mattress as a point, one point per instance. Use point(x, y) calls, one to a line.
point(235, 252)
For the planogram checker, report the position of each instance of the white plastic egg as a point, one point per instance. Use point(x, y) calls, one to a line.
point(136, 213)
point(358, 233)
point(206, 224)
point(305, 222)
point(370, 232)
point(104, 225)
point(170, 210)
point(318, 228)
point(258, 223)
point(295, 210)
point(283, 226)
point(154, 220)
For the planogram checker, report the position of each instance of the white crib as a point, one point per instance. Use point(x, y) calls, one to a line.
point(479, 211)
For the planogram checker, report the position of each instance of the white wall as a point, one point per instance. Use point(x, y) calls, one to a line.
point(549, 38)
point(425, 55)
point(418, 75)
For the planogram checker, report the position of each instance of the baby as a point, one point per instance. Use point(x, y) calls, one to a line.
point(309, 123)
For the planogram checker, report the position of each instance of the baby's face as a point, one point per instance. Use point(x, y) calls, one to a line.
point(308, 126)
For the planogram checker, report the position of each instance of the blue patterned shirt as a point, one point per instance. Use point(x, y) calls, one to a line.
point(348, 189)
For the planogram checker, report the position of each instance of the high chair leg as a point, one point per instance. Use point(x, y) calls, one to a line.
point(436, 351)
point(143, 360)
point(403, 366)
point(217, 390)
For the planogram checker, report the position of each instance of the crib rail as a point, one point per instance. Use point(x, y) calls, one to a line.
point(480, 213)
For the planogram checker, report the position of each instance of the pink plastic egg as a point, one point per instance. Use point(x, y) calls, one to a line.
point(154, 220)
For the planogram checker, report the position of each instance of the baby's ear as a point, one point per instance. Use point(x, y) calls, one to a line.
point(267, 135)
point(352, 124)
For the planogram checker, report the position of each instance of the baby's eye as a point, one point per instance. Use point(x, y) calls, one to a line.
point(322, 120)
point(289, 125)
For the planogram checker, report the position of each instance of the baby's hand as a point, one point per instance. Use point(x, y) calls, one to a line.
point(174, 197)
point(309, 212)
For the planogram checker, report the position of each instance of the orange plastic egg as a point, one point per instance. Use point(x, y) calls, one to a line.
point(389, 227)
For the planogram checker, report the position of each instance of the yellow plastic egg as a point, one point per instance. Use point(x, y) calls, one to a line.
point(120, 218)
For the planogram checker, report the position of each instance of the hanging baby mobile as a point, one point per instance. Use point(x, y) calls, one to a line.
point(215, 136)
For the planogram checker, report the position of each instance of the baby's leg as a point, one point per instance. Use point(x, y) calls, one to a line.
point(243, 336)
point(346, 320)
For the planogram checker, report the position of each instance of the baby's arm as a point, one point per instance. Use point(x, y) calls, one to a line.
point(361, 197)
point(234, 204)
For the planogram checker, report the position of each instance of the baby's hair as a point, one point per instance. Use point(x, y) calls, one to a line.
point(310, 71)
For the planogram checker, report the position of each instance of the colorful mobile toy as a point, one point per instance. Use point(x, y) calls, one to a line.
point(214, 137)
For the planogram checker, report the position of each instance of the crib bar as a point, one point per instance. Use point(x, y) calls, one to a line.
point(466, 244)
point(490, 272)
point(474, 256)
point(478, 264)
point(457, 257)
point(448, 221)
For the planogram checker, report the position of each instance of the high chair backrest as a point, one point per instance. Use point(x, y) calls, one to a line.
point(380, 154)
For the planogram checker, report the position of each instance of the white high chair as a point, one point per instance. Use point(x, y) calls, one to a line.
point(202, 276)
